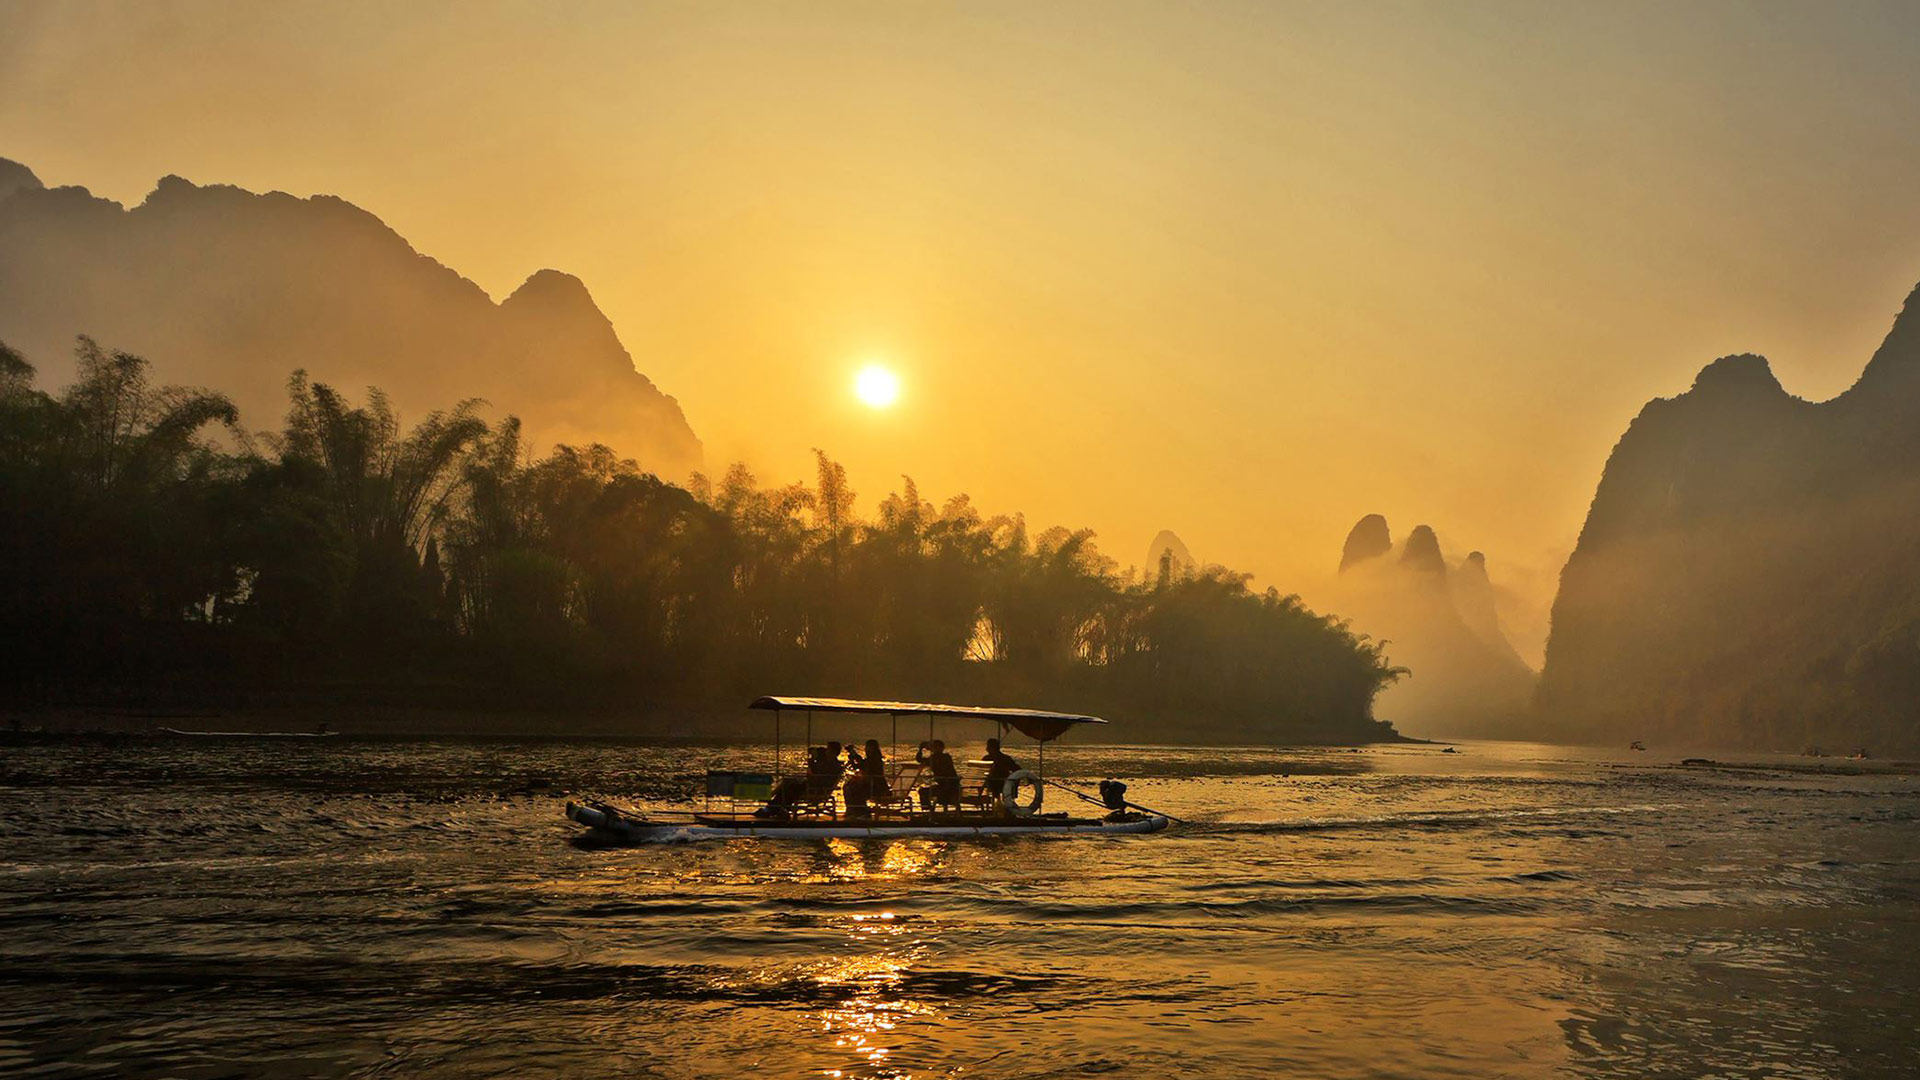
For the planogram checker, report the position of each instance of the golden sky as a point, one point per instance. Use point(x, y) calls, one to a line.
point(1246, 271)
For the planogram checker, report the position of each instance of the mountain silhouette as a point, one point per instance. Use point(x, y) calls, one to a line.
point(15, 176)
point(225, 287)
point(1475, 599)
point(1749, 571)
point(1370, 538)
point(1441, 623)
point(1168, 557)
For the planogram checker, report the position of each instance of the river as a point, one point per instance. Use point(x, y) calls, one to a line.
point(350, 907)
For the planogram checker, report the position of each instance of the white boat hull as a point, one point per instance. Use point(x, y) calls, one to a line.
point(608, 824)
point(249, 734)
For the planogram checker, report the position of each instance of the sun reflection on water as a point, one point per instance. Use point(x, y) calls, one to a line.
point(861, 1027)
point(866, 983)
point(868, 860)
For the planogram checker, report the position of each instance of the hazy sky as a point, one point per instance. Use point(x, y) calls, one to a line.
point(1247, 271)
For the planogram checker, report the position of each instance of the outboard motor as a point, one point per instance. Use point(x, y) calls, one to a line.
point(1113, 794)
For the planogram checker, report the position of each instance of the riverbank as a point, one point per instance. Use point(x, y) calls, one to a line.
point(683, 722)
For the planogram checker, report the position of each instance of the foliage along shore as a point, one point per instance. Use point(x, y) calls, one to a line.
point(712, 723)
point(158, 554)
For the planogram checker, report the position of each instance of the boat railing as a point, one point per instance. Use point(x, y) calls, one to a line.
point(732, 791)
point(910, 776)
point(905, 782)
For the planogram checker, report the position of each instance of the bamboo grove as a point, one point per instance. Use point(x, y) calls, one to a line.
point(156, 550)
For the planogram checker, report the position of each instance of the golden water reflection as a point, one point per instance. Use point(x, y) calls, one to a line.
point(867, 980)
point(862, 1027)
point(880, 860)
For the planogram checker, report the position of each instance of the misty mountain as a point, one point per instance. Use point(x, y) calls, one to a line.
point(1369, 538)
point(1441, 622)
point(1749, 572)
point(1168, 557)
point(221, 286)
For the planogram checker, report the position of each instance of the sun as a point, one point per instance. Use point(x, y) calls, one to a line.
point(877, 387)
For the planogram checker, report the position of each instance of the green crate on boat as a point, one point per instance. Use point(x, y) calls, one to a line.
point(745, 787)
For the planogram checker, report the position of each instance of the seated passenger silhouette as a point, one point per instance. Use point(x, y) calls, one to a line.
point(823, 775)
point(869, 780)
point(999, 767)
point(944, 789)
point(824, 772)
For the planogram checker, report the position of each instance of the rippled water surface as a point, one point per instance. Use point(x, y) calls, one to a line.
point(344, 908)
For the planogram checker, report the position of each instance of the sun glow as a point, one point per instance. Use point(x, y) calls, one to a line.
point(877, 387)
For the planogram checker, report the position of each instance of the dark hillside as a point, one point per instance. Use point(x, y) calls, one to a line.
point(1749, 572)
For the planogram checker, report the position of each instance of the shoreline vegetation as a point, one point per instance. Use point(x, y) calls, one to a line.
point(724, 724)
point(160, 558)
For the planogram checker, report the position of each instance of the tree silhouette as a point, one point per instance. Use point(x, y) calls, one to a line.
point(350, 557)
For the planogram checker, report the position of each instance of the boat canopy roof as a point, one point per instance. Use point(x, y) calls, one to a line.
point(1034, 723)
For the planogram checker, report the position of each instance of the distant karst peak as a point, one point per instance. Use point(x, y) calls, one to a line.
point(1438, 621)
point(1422, 552)
point(1168, 551)
point(1369, 539)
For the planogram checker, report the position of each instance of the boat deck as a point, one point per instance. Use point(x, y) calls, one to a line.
point(887, 819)
point(608, 824)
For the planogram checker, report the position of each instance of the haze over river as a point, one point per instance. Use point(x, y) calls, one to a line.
point(344, 907)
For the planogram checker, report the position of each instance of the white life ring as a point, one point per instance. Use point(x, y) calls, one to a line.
point(1010, 792)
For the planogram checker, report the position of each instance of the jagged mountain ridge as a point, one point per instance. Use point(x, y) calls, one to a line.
point(1441, 622)
point(1749, 571)
point(232, 289)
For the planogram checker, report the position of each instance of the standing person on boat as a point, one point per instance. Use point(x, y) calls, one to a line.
point(869, 780)
point(945, 789)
